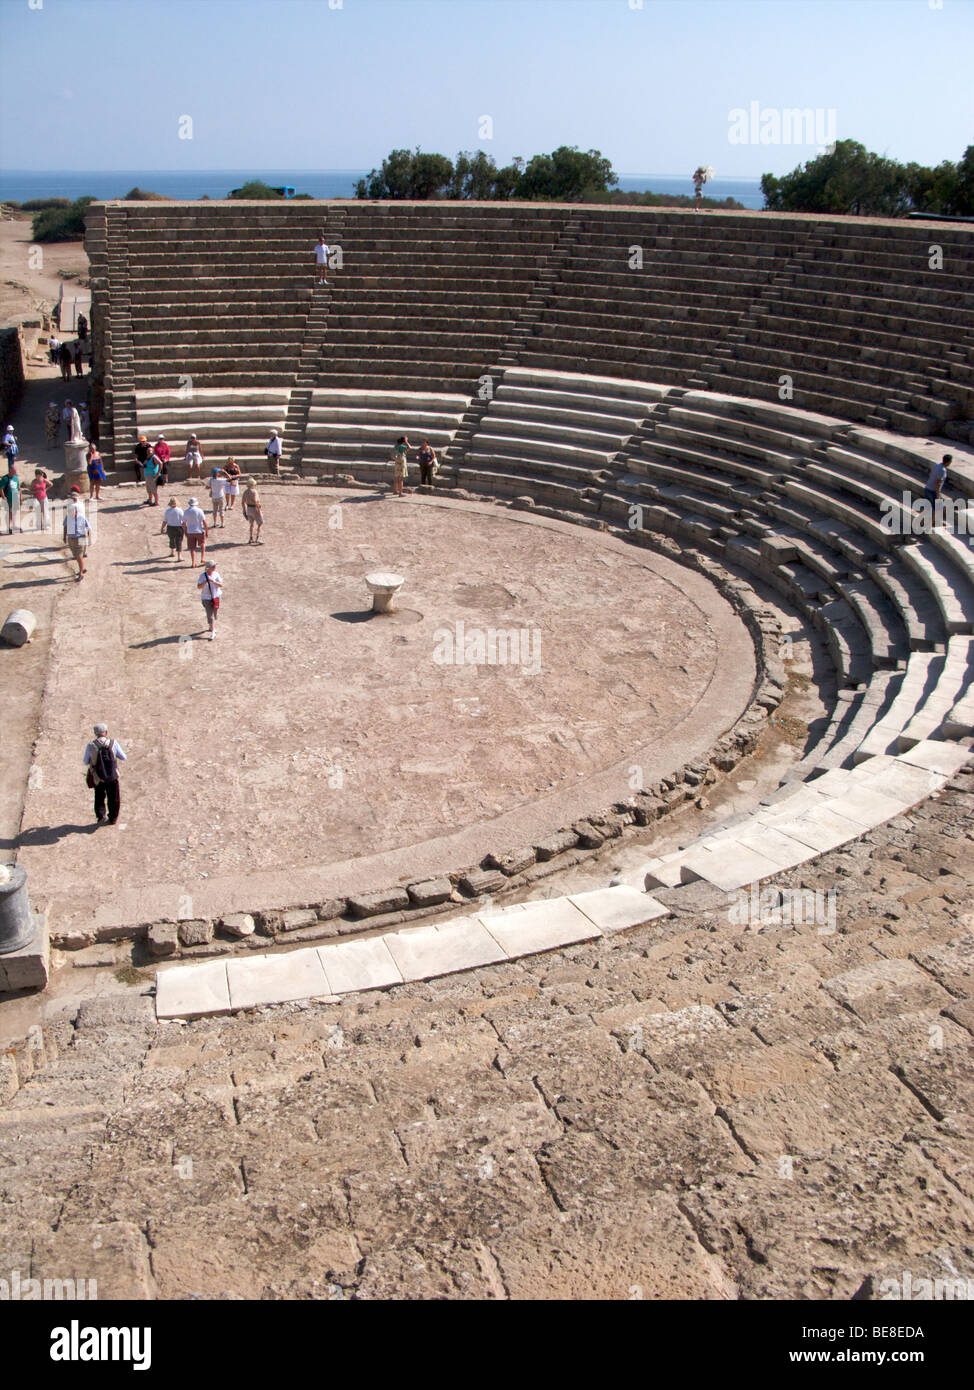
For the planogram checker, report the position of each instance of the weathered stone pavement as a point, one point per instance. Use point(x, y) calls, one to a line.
point(700, 1108)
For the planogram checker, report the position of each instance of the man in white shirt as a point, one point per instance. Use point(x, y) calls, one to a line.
point(218, 484)
point(212, 588)
point(273, 451)
point(76, 531)
point(322, 251)
point(102, 756)
point(196, 530)
point(172, 524)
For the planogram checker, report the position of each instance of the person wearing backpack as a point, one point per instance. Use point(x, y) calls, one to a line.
point(102, 756)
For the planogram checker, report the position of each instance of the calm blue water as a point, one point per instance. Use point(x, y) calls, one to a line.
point(21, 185)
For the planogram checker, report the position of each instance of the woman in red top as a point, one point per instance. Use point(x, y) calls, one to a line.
point(39, 487)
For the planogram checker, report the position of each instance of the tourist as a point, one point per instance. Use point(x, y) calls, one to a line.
point(82, 328)
point(140, 455)
point(273, 451)
point(232, 469)
point(218, 484)
point(935, 483)
point(39, 490)
point(76, 532)
point(212, 588)
point(64, 360)
point(194, 457)
point(172, 524)
point(427, 464)
point(321, 260)
point(53, 348)
point(151, 472)
point(77, 359)
point(399, 466)
point(96, 472)
point(101, 760)
point(196, 530)
point(10, 491)
point(52, 424)
point(10, 445)
point(161, 451)
point(253, 511)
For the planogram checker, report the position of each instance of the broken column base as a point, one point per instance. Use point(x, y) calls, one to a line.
point(30, 967)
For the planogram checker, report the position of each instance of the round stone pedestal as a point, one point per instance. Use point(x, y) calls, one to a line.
point(384, 588)
point(16, 922)
point(76, 467)
point(19, 627)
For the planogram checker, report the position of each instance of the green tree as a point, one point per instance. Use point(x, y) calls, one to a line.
point(851, 179)
point(256, 191)
point(565, 175)
point(61, 224)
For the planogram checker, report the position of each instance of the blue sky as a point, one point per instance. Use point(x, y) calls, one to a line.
point(314, 84)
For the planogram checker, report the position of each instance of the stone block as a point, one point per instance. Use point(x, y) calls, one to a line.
point(162, 939)
point(542, 926)
point(556, 844)
point(728, 865)
point(943, 758)
point(480, 881)
point(238, 924)
point(29, 967)
point(192, 991)
point(513, 863)
point(588, 836)
point(616, 909)
point(373, 904)
point(276, 979)
point(195, 932)
point(332, 908)
point(355, 965)
point(430, 892)
point(423, 953)
point(298, 918)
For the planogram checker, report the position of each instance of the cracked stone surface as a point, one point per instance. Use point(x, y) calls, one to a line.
point(699, 1108)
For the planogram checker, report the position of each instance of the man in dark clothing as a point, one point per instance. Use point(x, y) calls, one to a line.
point(102, 756)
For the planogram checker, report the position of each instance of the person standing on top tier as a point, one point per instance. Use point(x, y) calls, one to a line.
point(321, 252)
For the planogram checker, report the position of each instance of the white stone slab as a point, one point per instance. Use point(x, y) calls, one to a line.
point(461, 944)
point(945, 758)
point(616, 909)
point(192, 991)
point(868, 807)
point(662, 873)
point(821, 828)
point(775, 844)
point(906, 783)
point(729, 867)
point(355, 965)
point(543, 926)
point(276, 979)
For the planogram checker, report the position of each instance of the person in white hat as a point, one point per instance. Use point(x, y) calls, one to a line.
point(195, 527)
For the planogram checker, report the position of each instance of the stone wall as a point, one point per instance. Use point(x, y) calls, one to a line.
point(11, 373)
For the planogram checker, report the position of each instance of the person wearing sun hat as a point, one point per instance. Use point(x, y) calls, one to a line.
point(196, 530)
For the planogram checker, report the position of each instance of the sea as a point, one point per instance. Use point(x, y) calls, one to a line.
point(21, 185)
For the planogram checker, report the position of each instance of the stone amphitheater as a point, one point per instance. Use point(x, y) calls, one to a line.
point(704, 1033)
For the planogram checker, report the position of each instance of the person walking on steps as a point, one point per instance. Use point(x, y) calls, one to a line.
point(212, 590)
point(322, 251)
point(102, 757)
